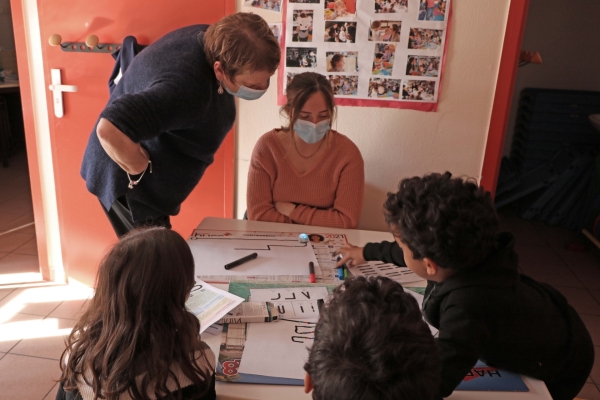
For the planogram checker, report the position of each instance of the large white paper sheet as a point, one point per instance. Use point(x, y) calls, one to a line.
point(278, 253)
point(280, 348)
point(292, 303)
point(210, 304)
point(277, 348)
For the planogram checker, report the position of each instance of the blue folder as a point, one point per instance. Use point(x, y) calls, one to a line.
point(485, 378)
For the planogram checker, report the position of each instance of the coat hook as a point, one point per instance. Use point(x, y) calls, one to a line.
point(56, 40)
point(92, 41)
point(90, 45)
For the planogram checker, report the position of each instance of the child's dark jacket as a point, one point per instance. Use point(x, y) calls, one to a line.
point(493, 313)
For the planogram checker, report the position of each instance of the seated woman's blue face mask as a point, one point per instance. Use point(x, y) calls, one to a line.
point(309, 132)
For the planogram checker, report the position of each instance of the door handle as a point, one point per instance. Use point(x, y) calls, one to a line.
point(57, 88)
point(63, 88)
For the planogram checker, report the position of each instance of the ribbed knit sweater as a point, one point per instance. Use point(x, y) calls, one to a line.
point(330, 194)
point(167, 100)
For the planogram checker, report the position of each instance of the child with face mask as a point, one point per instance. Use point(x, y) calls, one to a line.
point(306, 172)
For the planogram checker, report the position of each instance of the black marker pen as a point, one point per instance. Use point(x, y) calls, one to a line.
point(241, 261)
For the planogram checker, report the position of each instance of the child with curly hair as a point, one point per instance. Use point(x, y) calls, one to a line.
point(371, 343)
point(446, 231)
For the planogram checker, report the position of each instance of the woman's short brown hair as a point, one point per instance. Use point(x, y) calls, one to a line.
point(242, 42)
point(299, 91)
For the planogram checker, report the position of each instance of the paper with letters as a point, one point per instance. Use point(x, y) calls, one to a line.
point(278, 348)
point(292, 303)
point(392, 271)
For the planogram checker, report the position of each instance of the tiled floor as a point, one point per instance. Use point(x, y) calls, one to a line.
point(35, 316)
point(18, 247)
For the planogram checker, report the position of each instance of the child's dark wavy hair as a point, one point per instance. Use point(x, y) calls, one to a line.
point(371, 343)
point(137, 321)
point(448, 220)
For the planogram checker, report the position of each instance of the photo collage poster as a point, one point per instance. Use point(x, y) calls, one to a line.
point(378, 53)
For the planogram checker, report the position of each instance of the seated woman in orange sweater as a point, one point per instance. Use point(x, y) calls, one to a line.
point(308, 174)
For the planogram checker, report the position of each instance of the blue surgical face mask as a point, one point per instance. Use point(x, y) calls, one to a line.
point(309, 132)
point(245, 92)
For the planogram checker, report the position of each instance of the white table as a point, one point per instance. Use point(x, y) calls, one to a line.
point(238, 391)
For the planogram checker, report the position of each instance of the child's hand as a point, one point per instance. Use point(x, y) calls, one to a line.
point(351, 255)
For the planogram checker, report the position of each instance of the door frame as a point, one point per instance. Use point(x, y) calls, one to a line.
point(36, 121)
point(503, 97)
point(33, 89)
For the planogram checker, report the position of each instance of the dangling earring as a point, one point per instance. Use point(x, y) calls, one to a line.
point(220, 89)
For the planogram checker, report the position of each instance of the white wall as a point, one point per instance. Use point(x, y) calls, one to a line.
point(401, 143)
point(567, 35)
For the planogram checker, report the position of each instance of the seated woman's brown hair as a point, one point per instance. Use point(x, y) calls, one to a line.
point(300, 89)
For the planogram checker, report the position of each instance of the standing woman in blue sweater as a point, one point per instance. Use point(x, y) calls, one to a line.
point(169, 113)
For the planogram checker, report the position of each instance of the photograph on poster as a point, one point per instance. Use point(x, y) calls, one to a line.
point(432, 10)
point(382, 88)
point(425, 39)
point(342, 61)
point(302, 57)
point(344, 85)
point(383, 62)
point(423, 66)
point(390, 6)
point(385, 31)
point(340, 32)
point(418, 90)
point(305, 1)
point(302, 26)
point(276, 29)
point(340, 10)
point(271, 5)
point(290, 76)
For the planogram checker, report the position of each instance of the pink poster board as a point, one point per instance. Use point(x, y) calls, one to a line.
point(389, 52)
